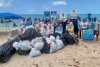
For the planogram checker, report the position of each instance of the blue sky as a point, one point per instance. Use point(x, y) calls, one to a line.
point(39, 6)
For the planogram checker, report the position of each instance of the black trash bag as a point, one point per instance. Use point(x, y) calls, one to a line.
point(56, 34)
point(69, 39)
point(6, 51)
point(45, 48)
point(30, 34)
point(17, 39)
point(63, 40)
point(23, 52)
point(65, 31)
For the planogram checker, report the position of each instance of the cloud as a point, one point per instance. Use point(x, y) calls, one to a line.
point(31, 10)
point(59, 3)
point(4, 3)
point(46, 7)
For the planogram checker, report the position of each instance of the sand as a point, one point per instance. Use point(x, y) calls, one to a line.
point(85, 54)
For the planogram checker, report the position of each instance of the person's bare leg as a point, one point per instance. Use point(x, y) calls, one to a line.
point(96, 33)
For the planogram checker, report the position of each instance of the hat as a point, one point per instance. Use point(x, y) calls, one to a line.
point(84, 19)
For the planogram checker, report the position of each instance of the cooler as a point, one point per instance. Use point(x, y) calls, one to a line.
point(88, 34)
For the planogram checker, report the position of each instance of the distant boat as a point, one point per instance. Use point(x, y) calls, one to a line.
point(7, 20)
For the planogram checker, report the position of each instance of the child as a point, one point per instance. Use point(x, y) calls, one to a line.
point(96, 28)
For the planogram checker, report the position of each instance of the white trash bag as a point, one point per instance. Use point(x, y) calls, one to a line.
point(52, 38)
point(39, 44)
point(33, 41)
point(34, 53)
point(49, 32)
point(48, 40)
point(27, 27)
point(15, 45)
point(25, 45)
point(43, 32)
point(53, 47)
point(59, 43)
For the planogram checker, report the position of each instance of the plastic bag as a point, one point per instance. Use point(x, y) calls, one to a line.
point(31, 26)
point(59, 43)
point(33, 41)
point(15, 45)
point(34, 53)
point(25, 45)
point(43, 32)
point(52, 38)
point(6, 51)
point(48, 40)
point(49, 32)
point(45, 48)
point(53, 47)
point(39, 44)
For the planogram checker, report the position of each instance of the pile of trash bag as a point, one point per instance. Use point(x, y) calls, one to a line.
point(33, 43)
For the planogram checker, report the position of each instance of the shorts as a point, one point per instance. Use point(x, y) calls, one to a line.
point(96, 32)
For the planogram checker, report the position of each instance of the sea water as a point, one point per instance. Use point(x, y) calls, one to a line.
point(41, 16)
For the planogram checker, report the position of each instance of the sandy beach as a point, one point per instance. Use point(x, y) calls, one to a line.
point(85, 54)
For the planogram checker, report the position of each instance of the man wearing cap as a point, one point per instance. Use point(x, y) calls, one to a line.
point(89, 16)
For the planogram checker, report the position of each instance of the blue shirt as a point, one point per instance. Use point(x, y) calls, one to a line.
point(79, 24)
point(28, 23)
point(91, 25)
point(87, 19)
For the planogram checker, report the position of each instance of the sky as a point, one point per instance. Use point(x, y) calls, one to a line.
point(39, 6)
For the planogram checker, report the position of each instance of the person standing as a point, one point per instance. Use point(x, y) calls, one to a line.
point(84, 25)
point(91, 25)
point(29, 22)
point(23, 24)
point(96, 28)
point(89, 16)
point(75, 23)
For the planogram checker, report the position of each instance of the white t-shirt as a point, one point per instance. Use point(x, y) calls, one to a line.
point(84, 25)
point(23, 24)
point(96, 25)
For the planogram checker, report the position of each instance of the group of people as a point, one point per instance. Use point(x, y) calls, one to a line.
point(86, 23)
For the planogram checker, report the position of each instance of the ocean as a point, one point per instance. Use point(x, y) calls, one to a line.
point(41, 16)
